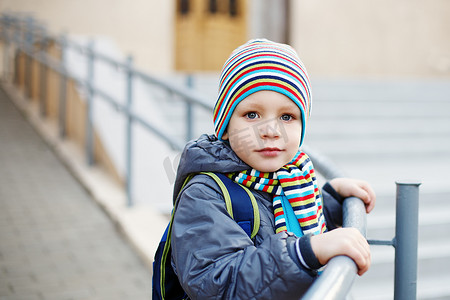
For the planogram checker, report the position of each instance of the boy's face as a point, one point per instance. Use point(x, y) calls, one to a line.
point(265, 130)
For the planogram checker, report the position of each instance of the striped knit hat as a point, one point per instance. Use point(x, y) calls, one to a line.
point(261, 65)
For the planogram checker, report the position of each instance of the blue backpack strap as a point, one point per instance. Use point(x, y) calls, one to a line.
point(242, 207)
point(165, 284)
point(243, 204)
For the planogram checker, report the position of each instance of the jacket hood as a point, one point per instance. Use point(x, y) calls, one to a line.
point(206, 154)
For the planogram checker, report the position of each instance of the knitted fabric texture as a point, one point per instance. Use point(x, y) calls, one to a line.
point(261, 65)
point(296, 182)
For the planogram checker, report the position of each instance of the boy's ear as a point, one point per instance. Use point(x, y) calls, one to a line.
point(225, 136)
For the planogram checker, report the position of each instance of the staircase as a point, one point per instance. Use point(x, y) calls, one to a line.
point(383, 132)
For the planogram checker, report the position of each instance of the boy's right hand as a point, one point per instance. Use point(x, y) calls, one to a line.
point(342, 241)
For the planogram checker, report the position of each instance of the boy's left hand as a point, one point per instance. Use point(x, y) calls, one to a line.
point(349, 187)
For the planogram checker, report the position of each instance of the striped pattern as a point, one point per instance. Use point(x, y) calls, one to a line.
point(261, 65)
point(295, 182)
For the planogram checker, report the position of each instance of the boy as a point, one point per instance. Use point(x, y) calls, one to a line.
point(260, 119)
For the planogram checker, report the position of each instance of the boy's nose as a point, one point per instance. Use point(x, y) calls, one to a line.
point(269, 129)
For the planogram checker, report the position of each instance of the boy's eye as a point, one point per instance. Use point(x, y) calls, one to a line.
point(252, 115)
point(286, 117)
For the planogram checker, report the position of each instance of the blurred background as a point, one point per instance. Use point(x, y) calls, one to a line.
point(386, 39)
point(380, 73)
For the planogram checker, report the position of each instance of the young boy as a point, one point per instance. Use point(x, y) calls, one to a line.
point(260, 119)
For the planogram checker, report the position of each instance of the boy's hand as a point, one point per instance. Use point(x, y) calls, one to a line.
point(342, 241)
point(348, 187)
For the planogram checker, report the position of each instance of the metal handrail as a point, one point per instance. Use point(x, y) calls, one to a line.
point(337, 278)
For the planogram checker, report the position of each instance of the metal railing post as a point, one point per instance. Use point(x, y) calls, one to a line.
point(43, 75)
point(62, 88)
point(89, 105)
point(29, 39)
point(16, 41)
point(189, 111)
point(406, 240)
point(6, 42)
point(129, 132)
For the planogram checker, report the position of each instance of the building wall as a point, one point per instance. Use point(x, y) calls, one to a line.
point(143, 28)
point(383, 38)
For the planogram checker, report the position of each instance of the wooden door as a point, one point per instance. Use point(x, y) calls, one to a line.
point(206, 31)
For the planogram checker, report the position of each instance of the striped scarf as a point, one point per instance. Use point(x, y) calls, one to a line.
point(294, 184)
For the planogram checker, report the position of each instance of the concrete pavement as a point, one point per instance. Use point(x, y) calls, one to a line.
point(55, 241)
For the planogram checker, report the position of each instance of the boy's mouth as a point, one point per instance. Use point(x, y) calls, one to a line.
point(269, 151)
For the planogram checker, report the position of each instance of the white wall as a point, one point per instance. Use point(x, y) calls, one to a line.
point(383, 38)
point(143, 28)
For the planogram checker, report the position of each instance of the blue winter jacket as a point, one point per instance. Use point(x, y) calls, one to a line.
point(211, 254)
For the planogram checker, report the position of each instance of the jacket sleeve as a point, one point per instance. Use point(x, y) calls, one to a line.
point(215, 259)
point(332, 204)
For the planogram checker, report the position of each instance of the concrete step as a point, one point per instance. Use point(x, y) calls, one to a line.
point(376, 90)
point(321, 127)
point(433, 259)
point(431, 288)
point(369, 145)
point(386, 203)
point(381, 109)
point(434, 210)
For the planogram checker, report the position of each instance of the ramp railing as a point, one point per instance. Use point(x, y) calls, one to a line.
point(23, 35)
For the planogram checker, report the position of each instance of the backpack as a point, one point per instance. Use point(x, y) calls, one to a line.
point(242, 207)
